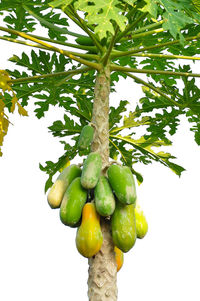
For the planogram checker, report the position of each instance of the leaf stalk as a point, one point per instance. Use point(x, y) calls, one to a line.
point(148, 71)
point(49, 75)
point(156, 89)
point(53, 48)
point(118, 54)
point(50, 25)
point(130, 27)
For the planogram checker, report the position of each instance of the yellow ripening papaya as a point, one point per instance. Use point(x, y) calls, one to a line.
point(141, 222)
point(58, 189)
point(119, 257)
point(89, 237)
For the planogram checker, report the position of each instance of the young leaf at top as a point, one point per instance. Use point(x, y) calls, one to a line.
point(102, 13)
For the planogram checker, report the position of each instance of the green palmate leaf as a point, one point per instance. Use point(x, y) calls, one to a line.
point(41, 62)
point(17, 18)
point(164, 118)
point(147, 154)
point(51, 168)
point(196, 4)
point(53, 21)
point(150, 7)
point(115, 113)
point(159, 64)
point(102, 13)
point(191, 93)
point(176, 18)
point(69, 127)
point(174, 13)
point(195, 125)
point(46, 90)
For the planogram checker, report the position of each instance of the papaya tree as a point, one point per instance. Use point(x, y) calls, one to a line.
point(86, 49)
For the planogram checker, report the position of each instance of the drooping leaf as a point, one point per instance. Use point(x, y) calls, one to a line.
point(143, 151)
point(7, 100)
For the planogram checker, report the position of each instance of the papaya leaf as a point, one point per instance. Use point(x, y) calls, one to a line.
point(174, 14)
point(102, 13)
point(9, 100)
point(115, 113)
point(196, 4)
point(52, 168)
point(147, 154)
point(131, 121)
point(47, 90)
point(17, 17)
point(151, 7)
point(69, 127)
point(116, 149)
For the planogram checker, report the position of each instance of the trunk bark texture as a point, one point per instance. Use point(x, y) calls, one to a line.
point(102, 281)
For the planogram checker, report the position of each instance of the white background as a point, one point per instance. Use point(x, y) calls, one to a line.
point(38, 257)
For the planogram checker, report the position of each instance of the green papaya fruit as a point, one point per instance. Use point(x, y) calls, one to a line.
point(84, 41)
point(86, 137)
point(123, 184)
point(58, 189)
point(72, 203)
point(91, 170)
point(104, 198)
point(141, 222)
point(123, 227)
point(89, 237)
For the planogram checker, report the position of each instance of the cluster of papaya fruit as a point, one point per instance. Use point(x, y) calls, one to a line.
point(84, 195)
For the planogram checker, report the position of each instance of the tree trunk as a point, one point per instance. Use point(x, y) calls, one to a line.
point(102, 281)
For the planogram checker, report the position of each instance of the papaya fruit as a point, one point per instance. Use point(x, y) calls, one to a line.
point(85, 137)
point(123, 227)
point(123, 184)
point(104, 198)
point(91, 170)
point(58, 189)
point(89, 237)
point(72, 203)
point(119, 257)
point(141, 222)
point(84, 41)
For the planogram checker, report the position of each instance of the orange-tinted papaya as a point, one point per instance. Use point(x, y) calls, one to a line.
point(89, 237)
point(119, 257)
